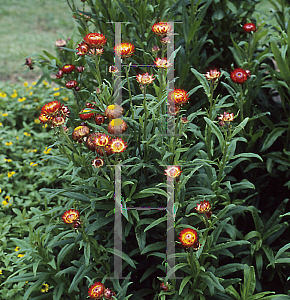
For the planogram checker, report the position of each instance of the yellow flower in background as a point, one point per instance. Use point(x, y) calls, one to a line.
point(14, 95)
point(64, 98)
point(4, 202)
point(8, 143)
point(25, 83)
point(30, 93)
point(21, 99)
point(44, 288)
point(5, 115)
point(34, 83)
point(7, 198)
point(56, 94)
point(3, 95)
point(47, 150)
point(1, 272)
point(56, 88)
point(27, 134)
point(10, 174)
point(0, 191)
point(17, 138)
point(36, 121)
point(20, 255)
point(8, 160)
point(1, 124)
point(33, 164)
point(44, 82)
point(16, 249)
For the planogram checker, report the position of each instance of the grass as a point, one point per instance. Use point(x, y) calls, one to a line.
point(30, 26)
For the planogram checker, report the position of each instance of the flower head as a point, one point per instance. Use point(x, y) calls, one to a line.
point(86, 114)
point(145, 78)
point(249, 27)
point(213, 75)
point(51, 109)
point(108, 293)
point(70, 216)
point(96, 291)
point(99, 119)
point(44, 288)
point(239, 75)
point(117, 126)
point(161, 28)
point(71, 84)
point(83, 48)
point(204, 207)
point(173, 110)
point(60, 43)
point(189, 238)
point(96, 40)
point(162, 63)
point(80, 132)
point(54, 113)
point(118, 145)
point(177, 97)
point(67, 69)
point(124, 50)
point(226, 118)
point(173, 171)
point(113, 69)
point(114, 111)
point(97, 162)
point(29, 63)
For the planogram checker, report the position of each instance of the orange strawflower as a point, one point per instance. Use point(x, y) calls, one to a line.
point(189, 238)
point(178, 97)
point(204, 207)
point(83, 48)
point(124, 50)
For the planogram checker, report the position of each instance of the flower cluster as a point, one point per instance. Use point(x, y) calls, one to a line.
point(68, 69)
point(72, 217)
point(104, 145)
point(54, 113)
point(92, 44)
point(98, 291)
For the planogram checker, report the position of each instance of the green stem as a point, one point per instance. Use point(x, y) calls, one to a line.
point(98, 73)
point(241, 104)
point(145, 124)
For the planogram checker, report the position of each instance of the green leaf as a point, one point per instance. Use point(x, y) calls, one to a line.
point(230, 268)
point(154, 247)
point(35, 286)
point(215, 130)
point(123, 255)
point(82, 271)
point(156, 222)
point(203, 81)
point(228, 245)
point(240, 127)
point(248, 288)
point(230, 290)
point(58, 291)
point(281, 63)
point(128, 14)
point(282, 250)
point(272, 137)
point(183, 283)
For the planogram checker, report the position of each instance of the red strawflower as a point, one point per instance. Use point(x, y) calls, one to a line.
point(108, 293)
point(80, 132)
point(177, 97)
point(161, 28)
point(51, 108)
point(96, 291)
point(204, 207)
point(71, 84)
point(67, 69)
point(96, 40)
point(117, 126)
point(99, 119)
point(97, 162)
point(239, 75)
point(86, 114)
point(249, 27)
point(124, 50)
point(59, 74)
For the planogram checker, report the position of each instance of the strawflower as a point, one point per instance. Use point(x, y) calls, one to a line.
point(213, 75)
point(96, 40)
point(114, 111)
point(44, 288)
point(249, 27)
point(96, 291)
point(173, 171)
point(124, 50)
point(118, 145)
point(239, 75)
point(225, 118)
point(204, 207)
point(97, 162)
point(162, 63)
point(161, 28)
point(70, 216)
point(178, 97)
point(189, 238)
point(145, 78)
point(83, 48)
point(117, 126)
